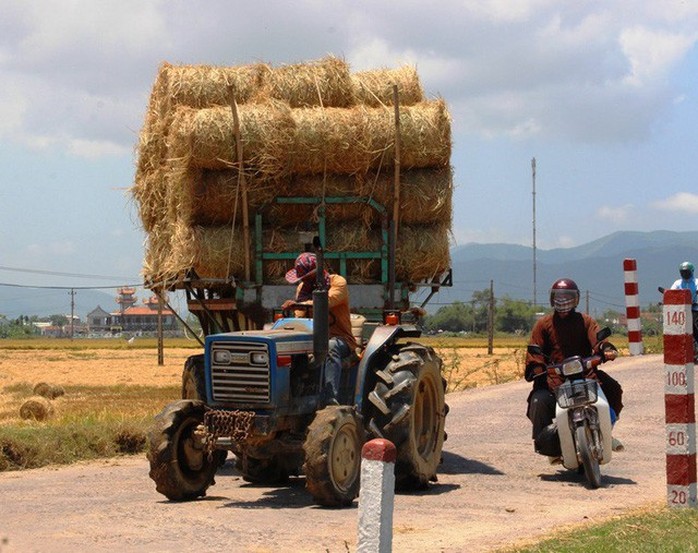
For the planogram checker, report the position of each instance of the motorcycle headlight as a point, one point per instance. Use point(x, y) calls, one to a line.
point(260, 358)
point(221, 357)
point(573, 367)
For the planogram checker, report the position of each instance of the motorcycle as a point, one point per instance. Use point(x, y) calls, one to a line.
point(582, 413)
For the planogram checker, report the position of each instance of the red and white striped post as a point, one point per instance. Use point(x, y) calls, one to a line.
point(632, 307)
point(377, 496)
point(679, 400)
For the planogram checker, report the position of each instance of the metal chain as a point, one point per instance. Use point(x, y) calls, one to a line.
point(237, 425)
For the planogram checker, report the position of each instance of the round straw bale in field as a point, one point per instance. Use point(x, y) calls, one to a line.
point(36, 408)
point(422, 251)
point(205, 138)
point(375, 87)
point(425, 194)
point(326, 82)
point(330, 140)
point(425, 134)
point(48, 391)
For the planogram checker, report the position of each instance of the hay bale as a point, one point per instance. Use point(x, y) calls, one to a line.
point(425, 133)
point(375, 87)
point(36, 408)
point(426, 195)
point(49, 391)
point(203, 86)
point(422, 251)
point(208, 197)
point(213, 252)
point(204, 138)
point(326, 82)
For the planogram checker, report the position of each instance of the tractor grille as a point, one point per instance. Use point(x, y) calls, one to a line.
point(240, 372)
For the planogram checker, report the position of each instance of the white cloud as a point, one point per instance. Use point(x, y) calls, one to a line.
point(652, 54)
point(80, 72)
point(683, 202)
point(615, 213)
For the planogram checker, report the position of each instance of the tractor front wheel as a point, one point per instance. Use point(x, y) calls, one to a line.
point(333, 456)
point(179, 465)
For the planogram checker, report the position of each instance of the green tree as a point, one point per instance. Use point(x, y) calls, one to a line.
point(456, 317)
point(514, 316)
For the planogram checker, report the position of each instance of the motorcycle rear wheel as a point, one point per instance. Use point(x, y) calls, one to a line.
point(589, 461)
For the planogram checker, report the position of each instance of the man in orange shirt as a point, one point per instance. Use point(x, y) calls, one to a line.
point(342, 343)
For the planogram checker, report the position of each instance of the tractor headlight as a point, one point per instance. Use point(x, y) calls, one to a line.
point(221, 357)
point(259, 358)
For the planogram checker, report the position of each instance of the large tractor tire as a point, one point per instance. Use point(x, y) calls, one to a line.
point(193, 378)
point(409, 409)
point(179, 465)
point(333, 456)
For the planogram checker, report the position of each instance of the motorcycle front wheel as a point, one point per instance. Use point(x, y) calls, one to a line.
point(589, 461)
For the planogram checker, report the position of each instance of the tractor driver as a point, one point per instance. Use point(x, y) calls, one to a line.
point(342, 343)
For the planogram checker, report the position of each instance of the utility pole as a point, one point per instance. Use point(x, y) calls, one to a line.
point(587, 302)
point(72, 312)
point(533, 176)
point(490, 320)
point(161, 352)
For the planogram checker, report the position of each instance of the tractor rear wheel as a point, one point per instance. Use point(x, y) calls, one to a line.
point(193, 378)
point(179, 464)
point(333, 456)
point(409, 409)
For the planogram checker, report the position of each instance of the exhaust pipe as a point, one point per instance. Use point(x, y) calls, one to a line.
point(321, 310)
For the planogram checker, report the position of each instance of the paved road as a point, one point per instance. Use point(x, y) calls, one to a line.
point(492, 491)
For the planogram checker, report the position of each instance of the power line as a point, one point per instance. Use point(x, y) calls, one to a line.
point(38, 287)
point(56, 273)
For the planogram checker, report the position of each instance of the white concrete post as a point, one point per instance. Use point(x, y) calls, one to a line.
point(376, 497)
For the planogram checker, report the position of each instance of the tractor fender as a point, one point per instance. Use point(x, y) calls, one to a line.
point(383, 336)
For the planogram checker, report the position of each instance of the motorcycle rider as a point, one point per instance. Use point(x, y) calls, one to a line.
point(342, 344)
point(689, 282)
point(561, 334)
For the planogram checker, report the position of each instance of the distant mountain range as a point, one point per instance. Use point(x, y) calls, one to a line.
point(597, 267)
point(16, 301)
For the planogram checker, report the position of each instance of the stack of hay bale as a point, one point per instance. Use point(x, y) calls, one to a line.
point(312, 129)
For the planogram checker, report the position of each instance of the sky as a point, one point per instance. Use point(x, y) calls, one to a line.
point(602, 93)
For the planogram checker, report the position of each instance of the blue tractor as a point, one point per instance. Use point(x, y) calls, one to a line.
point(258, 394)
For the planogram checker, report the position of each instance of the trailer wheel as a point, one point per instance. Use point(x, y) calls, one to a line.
point(193, 378)
point(408, 408)
point(333, 456)
point(180, 467)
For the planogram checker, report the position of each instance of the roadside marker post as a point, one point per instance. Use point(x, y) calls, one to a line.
point(377, 497)
point(632, 307)
point(679, 400)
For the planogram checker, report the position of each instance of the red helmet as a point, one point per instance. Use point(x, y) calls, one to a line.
point(564, 295)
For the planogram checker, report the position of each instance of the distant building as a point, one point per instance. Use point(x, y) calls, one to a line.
point(132, 318)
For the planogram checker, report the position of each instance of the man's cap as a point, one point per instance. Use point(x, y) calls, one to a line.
point(306, 265)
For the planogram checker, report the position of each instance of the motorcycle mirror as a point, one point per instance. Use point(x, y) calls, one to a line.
point(534, 349)
point(602, 334)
